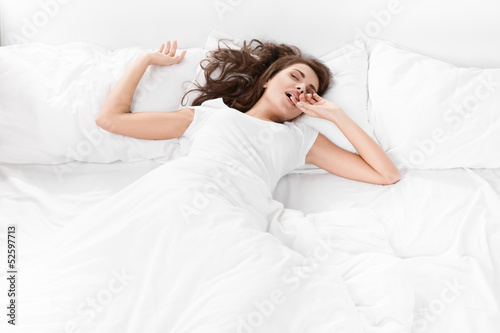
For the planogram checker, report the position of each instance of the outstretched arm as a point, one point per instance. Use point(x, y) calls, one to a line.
point(371, 164)
point(115, 115)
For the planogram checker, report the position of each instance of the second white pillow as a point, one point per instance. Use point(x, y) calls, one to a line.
point(429, 114)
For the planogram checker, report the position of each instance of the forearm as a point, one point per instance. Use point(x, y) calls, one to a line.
point(366, 147)
point(119, 99)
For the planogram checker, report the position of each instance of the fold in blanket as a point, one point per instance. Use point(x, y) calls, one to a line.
point(133, 263)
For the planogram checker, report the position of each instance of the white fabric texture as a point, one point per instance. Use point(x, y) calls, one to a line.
point(185, 249)
point(429, 114)
point(442, 224)
point(51, 95)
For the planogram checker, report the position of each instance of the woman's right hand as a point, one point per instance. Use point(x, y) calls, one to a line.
point(165, 56)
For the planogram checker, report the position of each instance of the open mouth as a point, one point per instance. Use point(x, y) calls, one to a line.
point(289, 95)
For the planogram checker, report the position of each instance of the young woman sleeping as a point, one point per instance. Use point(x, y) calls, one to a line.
point(189, 247)
point(266, 82)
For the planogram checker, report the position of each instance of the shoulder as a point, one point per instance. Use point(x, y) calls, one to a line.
point(203, 114)
point(216, 103)
point(208, 108)
point(301, 129)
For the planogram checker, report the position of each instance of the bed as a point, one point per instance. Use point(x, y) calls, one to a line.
point(422, 255)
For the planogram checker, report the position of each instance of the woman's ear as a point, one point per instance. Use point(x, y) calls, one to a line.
point(266, 85)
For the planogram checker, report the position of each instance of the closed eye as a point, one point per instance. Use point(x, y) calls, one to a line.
point(295, 77)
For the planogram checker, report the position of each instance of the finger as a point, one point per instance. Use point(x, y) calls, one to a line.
point(310, 99)
point(167, 48)
point(301, 104)
point(317, 97)
point(302, 98)
point(161, 48)
point(306, 110)
point(181, 56)
point(305, 106)
point(173, 49)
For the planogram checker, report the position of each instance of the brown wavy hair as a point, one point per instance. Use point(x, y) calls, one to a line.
point(239, 75)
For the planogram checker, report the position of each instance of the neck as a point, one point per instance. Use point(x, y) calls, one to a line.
point(264, 111)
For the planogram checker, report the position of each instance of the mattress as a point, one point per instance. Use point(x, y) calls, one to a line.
point(442, 225)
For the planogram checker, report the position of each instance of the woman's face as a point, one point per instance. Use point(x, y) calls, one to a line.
point(283, 89)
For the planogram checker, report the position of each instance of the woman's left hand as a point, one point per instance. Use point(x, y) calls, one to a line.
point(165, 56)
point(315, 106)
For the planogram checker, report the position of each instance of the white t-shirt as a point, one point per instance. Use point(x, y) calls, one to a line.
point(267, 149)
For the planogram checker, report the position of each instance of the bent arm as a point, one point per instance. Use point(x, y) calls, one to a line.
point(372, 165)
point(115, 115)
point(367, 148)
point(119, 99)
point(330, 157)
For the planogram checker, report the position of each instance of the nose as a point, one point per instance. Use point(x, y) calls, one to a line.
point(301, 87)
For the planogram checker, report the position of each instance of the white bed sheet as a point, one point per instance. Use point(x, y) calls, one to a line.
point(443, 224)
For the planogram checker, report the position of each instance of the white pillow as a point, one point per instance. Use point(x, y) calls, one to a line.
point(429, 114)
point(349, 65)
point(50, 96)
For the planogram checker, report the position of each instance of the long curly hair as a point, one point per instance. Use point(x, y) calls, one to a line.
point(239, 75)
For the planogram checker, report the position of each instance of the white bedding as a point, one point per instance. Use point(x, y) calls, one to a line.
point(429, 244)
point(422, 255)
point(210, 274)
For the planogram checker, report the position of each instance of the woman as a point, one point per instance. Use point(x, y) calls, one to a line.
point(194, 245)
point(270, 82)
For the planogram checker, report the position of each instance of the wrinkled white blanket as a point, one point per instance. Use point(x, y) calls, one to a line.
point(134, 264)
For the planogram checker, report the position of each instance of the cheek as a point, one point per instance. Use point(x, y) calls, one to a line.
point(278, 82)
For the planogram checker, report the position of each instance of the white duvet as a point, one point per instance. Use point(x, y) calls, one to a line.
point(193, 246)
point(442, 225)
point(132, 267)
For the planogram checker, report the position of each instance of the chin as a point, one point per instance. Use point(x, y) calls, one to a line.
point(289, 112)
point(290, 117)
